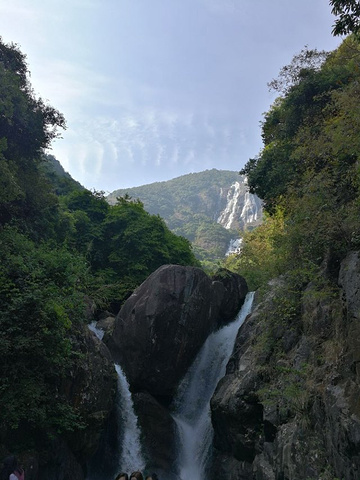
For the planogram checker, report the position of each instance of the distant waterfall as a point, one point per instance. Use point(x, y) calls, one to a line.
point(192, 402)
point(98, 332)
point(227, 216)
point(131, 458)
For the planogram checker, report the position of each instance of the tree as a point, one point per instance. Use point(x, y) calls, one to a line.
point(348, 12)
point(292, 74)
point(27, 127)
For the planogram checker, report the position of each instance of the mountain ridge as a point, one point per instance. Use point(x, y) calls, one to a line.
point(209, 208)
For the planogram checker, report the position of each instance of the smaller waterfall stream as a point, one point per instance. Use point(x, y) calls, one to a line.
point(192, 402)
point(128, 444)
point(131, 458)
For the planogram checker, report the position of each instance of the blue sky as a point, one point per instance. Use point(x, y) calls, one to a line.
point(154, 89)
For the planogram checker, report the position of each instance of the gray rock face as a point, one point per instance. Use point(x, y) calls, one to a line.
point(91, 388)
point(288, 407)
point(162, 326)
point(159, 429)
point(235, 290)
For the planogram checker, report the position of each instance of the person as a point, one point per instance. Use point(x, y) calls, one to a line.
point(11, 469)
point(136, 476)
point(153, 476)
point(122, 476)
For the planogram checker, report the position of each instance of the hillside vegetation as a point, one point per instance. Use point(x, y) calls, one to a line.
point(294, 377)
point(190, 206)
point(66, 254)
point(308, 171)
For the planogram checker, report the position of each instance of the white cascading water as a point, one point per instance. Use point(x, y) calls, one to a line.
point(252, 209)
point(234, 246)
point(130, 454)
point(192, 402)
point(131, 457)
point(227, 216)
point(98, 332)
point(242, 207)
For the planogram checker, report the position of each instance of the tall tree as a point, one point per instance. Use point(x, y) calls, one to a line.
point(27, 127)
point(348, 13)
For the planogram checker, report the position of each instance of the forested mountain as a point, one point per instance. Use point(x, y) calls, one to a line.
point(61, 181)
point(209, 208)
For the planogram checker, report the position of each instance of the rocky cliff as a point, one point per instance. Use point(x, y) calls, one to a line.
point(288, 407)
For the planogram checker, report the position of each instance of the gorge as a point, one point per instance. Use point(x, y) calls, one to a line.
point(172, 298)
point(273, 407)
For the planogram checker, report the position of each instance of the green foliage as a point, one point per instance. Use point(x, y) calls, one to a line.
point(136, 243)
point(188, 204)
point(290, 394)
point(27, 126)
point(308, 170)
point(61, 182)
point(41, 297)
point(262, 255)
point(348, 12)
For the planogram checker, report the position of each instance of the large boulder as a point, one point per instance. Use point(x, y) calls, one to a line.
point(235, 290)
point(162, 326)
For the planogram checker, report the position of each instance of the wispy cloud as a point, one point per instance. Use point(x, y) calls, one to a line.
point(150, 140)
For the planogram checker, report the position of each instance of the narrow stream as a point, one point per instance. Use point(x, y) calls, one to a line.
point(130, 455)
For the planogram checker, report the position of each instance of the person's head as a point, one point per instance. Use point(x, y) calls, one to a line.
point(153, 476)
point(122, 476)
point(10, 464)
point(136, 476)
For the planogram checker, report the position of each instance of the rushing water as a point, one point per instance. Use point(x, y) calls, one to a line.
point(130, 457)
point(192, 403)
point(191, 407)
point(98, 332)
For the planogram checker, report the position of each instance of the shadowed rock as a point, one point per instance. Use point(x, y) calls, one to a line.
point(162, 326)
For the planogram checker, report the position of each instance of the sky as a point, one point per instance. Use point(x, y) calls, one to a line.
point(155, 89)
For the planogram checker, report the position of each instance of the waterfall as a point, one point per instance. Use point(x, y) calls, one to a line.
point(98, 332)
point(234, 246)
point(252, 209)
point(192, 403)
point(130, 458)
point(227, 216)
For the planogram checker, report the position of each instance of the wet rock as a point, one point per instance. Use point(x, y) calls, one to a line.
point(159, 431)
point(162, 326)
point(235, 291)
point(90, 388)
point(304, 375)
